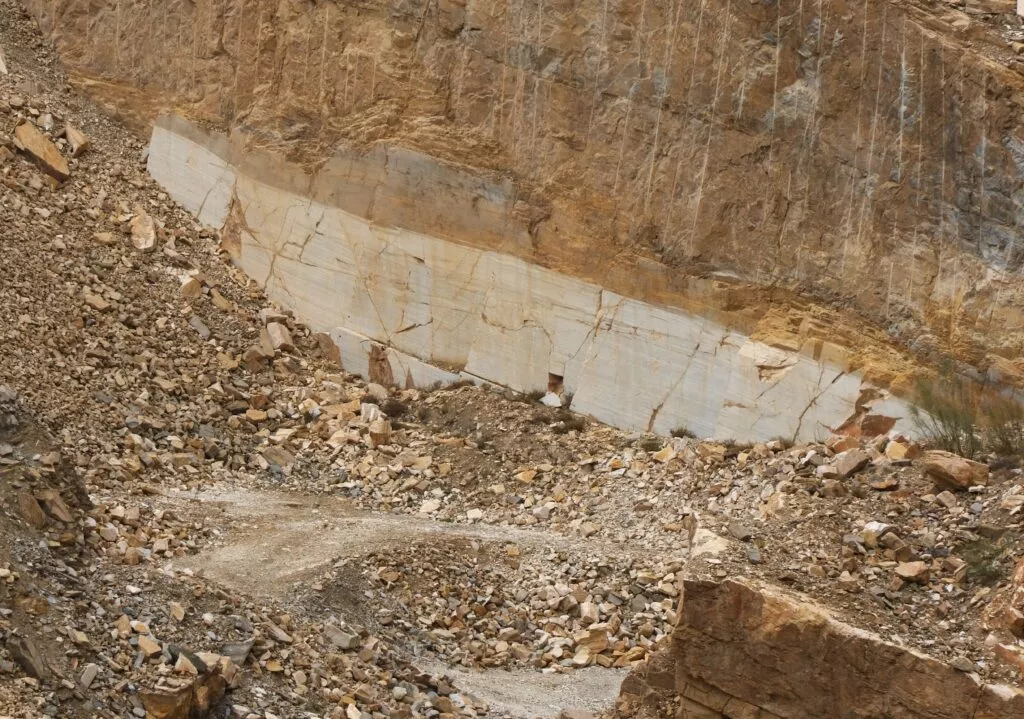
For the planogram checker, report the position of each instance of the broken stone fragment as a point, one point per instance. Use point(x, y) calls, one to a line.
point(269, 314)
point(898, 451)
point(850, 462)
point(665, 454)
point(913, 572)
point(88, 676)
point(195, 701)
point(24, 653)
point(340, 638)
point(277, 634)
point(196, 322)
point(191, 288)
point(380, 432)
point(280, 338)
point(550, 399)
point(45, 153)
point(378, 391)
point(78, 140)
point(3, 62)
point(143, 229)
point(950, 471)
point(237, 652)
point(31, 512)
point(256, 358)
point(149, 646)
point(328, 348)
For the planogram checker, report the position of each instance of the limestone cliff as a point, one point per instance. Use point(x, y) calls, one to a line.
point(868, 155)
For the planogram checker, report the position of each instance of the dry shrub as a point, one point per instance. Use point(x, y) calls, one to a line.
point(945, 411)
point(966, 418)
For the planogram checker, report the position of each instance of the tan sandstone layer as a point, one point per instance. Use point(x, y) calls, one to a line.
point(869, 153)
point(742, 650)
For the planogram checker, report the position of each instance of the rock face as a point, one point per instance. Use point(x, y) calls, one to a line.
point(391, 297)
point(742, 650)
point(871, 153)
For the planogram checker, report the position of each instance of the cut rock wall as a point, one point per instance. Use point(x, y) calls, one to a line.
point(869, 153)
point(392, 294)
point(743, 650)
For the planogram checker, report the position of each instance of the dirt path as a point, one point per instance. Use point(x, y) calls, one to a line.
point(276, 540)
point(272, 542)
point(524, 693)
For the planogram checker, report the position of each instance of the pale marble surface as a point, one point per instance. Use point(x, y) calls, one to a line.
point(501, 320)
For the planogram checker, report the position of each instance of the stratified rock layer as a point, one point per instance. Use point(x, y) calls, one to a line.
point(869, 153)
point(410, 308)
point(742, 650)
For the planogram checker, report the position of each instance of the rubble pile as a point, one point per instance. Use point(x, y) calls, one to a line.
point(562, 610)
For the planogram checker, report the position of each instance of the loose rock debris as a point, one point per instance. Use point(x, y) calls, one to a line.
point(141, 369)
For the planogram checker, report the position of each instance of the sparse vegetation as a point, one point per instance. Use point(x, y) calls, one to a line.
point(651, 444)
point(733, 447)
point(568, 422)
point(533, 396)
point(1003, 424)
point(683, 433)
point(945, 411)
point(394, 408)
point(966, 418)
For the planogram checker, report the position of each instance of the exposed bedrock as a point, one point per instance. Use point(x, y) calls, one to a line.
point(743, 650)
point(415, 309)
point(841, 182)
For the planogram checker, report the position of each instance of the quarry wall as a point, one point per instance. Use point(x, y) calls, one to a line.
point(434, 311)
point(838, 181)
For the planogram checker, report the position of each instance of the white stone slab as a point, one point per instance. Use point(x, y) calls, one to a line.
point(498, 319)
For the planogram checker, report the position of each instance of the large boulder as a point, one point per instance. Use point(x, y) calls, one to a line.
point(742, 649)
point(951, 471)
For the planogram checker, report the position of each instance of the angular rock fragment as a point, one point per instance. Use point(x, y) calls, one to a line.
point(340, 638)
point(913, 572)
point(31, 512)
point(850, 462)
point(78, 140)
point(88, 676)
point(280, 337)
point(45, 153)
point(951, 471)
point(380, 432)
point(237, 652)
point(196, 701)
point(196, 322)
point(24, 653)
point(143, 229)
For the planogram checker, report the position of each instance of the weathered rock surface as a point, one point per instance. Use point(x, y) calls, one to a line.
point(742, 649)
point(36, 144)
point(951, 471)
point(867, 154)
point(388, 296)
